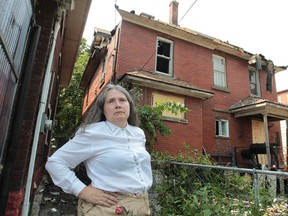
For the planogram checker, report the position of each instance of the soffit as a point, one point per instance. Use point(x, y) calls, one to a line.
point(165, 83)
point(75, 23)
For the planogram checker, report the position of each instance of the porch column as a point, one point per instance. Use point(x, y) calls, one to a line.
point(267, 143)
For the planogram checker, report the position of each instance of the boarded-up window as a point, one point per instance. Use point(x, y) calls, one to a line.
point(158, 98)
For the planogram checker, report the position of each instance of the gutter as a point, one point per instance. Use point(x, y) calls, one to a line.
point(41, 120)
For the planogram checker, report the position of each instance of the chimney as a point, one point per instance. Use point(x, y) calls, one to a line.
point(173, 16)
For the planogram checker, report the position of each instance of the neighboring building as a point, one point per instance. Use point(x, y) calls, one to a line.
point(283, 98)
point(234, 115)
point(39, 42)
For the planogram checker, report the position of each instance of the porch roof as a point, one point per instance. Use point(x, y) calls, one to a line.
point(161, 82)
point(258, 107)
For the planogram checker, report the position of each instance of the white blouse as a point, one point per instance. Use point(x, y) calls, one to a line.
point(115, 159)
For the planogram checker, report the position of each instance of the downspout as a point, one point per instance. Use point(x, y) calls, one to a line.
point(115, 56)
point(39, 122)
point(19, 115)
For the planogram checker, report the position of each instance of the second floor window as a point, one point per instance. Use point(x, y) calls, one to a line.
point(219, 69)
point(254, 83)
point(222, 128)
point(164, 56)
point(102, 81)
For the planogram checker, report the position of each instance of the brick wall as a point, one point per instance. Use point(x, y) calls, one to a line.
point(44, 17)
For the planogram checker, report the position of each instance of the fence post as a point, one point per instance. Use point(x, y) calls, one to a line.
point(255, 186)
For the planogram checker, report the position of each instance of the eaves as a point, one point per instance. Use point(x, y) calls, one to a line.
point(75, 23)
point(155, 81)
point(260, 107)
point(189, 36)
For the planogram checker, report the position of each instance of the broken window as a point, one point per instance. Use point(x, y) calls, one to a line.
point(164, 56)
point(222, 128)
point(254, 82)
point(219, 69)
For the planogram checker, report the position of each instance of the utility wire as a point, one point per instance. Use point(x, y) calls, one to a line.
point(170, 32)
point(188, 11)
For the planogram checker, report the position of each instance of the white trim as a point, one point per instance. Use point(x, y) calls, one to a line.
point(170, 58)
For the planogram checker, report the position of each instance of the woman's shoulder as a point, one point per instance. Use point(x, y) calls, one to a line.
point(93, 127)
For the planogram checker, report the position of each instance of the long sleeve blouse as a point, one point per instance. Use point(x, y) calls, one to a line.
point(115, 159)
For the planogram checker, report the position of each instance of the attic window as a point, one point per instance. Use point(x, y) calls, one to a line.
point(164, 56)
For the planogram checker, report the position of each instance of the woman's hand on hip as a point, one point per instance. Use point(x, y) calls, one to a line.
point(98, 197)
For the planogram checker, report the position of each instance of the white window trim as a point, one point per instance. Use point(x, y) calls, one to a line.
point(171, 55)
point(224, 72)
point(220, 127)
point(257, 82)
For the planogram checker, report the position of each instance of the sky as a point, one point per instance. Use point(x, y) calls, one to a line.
point(257, 26)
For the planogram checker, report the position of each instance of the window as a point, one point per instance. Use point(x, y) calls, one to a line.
point(102, 81)
point(279, 99)
point(165, 98)
point(219, 71)
point(164, 56)
point(222, 128)
point(254, 82)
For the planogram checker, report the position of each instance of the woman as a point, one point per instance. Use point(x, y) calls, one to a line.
point(112, 148)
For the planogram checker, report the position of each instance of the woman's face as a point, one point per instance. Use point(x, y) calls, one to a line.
point(116, 108)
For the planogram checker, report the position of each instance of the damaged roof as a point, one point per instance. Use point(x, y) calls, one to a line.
point(256, 106)
point(190, 36)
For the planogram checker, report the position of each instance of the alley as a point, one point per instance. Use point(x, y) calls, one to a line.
point(51, 200)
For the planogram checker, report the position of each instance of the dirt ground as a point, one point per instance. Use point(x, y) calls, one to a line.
point(55, 202)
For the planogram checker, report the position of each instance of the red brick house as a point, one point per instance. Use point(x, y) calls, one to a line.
point(39, 42)
point(234, 115)
point(283, 98)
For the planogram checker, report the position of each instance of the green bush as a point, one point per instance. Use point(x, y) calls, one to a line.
point(188, 190)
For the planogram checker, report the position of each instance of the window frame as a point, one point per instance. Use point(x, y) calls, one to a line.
point(216, 71)
point(219, 128)
point(104, 68)
point(257, 82)
point(170, 58)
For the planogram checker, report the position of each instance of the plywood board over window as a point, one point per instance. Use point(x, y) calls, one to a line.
point(258, 136)
point(158, 98)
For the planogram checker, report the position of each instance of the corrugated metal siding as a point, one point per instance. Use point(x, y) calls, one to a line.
point(15, 17)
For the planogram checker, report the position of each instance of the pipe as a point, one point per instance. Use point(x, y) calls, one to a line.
point(267, 142)
point(115, 57)
point(19, 115)
point(42, 107)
